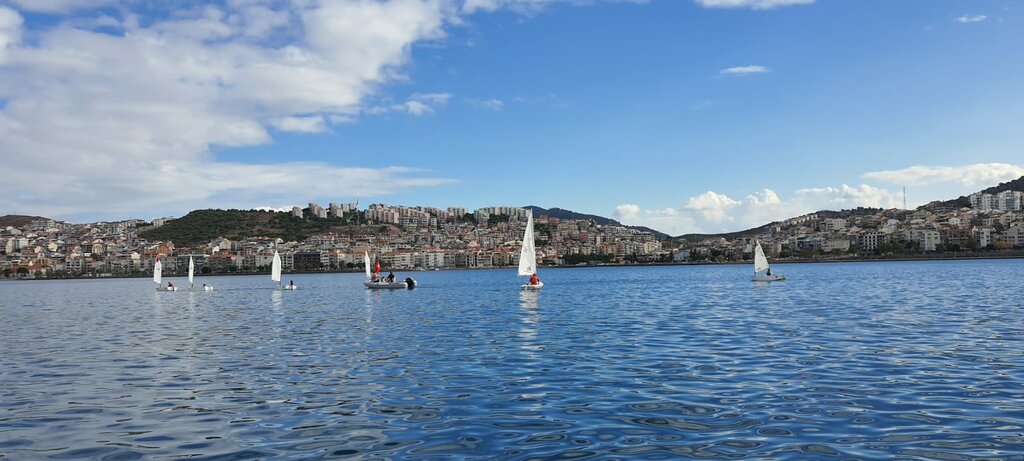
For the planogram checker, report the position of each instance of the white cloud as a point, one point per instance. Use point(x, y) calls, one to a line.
point(259, 20)
point(525, 6)
point(626, 211)
point(744, 70)
point(416, 108)
point(10, 29)
point(314, 124)
point(967, 18)
point(432, 98)
point(975, 175)
point(417, 105)
point(60, 6)
point(492, 104)
point(713, 207)
point(96, 122)
point(712, 212)
point(752, 4)
point(845, 196)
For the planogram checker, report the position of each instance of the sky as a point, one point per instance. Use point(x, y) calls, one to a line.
point(682, 115)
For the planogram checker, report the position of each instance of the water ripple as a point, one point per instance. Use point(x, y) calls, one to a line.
point(844, 361)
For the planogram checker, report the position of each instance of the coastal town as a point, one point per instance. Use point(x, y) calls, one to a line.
point(425, 238)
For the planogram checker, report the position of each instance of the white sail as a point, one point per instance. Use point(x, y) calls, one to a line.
point(275, 268)
point(366, 262)
point(158, 272)
point(528, 254)
point(191, 272)
point(760, 262)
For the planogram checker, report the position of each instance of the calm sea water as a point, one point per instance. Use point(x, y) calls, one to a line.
point(920, 360)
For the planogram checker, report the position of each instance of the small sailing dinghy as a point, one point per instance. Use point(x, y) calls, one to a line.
point(158, 277)
point(192, 276)
point(762, 272)
point(375, 281)
point(528, 258)
point(275, 274)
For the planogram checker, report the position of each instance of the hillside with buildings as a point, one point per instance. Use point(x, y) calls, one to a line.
point(316, 238)
point(984, 222)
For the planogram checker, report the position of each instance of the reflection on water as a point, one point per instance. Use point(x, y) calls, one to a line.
point(528, 299)
point(844, 361)
point(275, 298)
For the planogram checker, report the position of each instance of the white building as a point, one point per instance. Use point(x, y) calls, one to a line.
point(928, 239)
point(833, 224)
point(1009, 200)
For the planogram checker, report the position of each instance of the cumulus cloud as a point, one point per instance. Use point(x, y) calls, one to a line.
point(96, 122)
point(712, 212)
point(713, 207)
point(967, 18)
point(744, 70)
point(626, 211)
point(752, 4)
point(974, 175)
point(10, 29)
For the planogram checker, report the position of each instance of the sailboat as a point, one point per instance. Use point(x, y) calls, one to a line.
point(192, 276)
point(528, 257)
point(158, 277)
point(275, 273)
point(378, 282)
point(762, 272)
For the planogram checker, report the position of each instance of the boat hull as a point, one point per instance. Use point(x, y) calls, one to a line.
point(538, 286)
point(390, 286)
point(386, 286)
point(768, 278)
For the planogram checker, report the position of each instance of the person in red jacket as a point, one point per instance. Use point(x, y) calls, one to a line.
point(534, 280)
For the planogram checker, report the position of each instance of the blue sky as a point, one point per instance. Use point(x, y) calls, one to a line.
point(686, 116)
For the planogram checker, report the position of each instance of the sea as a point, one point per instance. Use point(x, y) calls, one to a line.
point(843, 361)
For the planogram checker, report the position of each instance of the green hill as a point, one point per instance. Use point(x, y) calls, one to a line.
point(201, 226)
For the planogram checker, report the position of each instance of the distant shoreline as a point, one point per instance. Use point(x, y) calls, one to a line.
point(582, 266)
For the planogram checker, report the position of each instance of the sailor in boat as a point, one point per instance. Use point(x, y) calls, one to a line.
point(170, 286)
point(390, 278)
point(769, 273)
point(291, 284)
point(534, 280)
